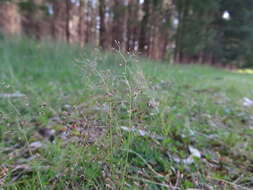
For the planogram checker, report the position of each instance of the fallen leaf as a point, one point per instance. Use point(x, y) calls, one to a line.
point(194, 152)
point(36, 145)
point(12, 95)
point(247, 102)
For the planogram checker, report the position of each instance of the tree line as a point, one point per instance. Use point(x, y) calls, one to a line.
point(217, 32)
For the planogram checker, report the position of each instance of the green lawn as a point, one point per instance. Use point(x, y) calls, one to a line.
point(120, 122)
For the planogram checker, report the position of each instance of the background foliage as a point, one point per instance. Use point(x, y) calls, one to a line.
point(186, 31)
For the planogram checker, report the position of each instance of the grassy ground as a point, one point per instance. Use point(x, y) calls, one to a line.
point(93, 120)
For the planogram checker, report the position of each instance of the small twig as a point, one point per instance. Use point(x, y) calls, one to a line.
point(178, 179)
point(238, 179)
point(153, 182)
point(230, 183)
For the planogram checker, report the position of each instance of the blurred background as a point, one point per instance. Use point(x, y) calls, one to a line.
point(215, 32)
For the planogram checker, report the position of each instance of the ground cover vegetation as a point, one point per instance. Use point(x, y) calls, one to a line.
point(73, 118)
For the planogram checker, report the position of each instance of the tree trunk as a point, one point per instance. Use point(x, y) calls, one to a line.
point(10, 22)
point(102, 26)
point(81, 25)
point(119, 25)
point(144, 30)
point(133, 22)
point(67, 20)
point(60, 23)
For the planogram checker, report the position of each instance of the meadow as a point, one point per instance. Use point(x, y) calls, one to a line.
point(81, 118)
